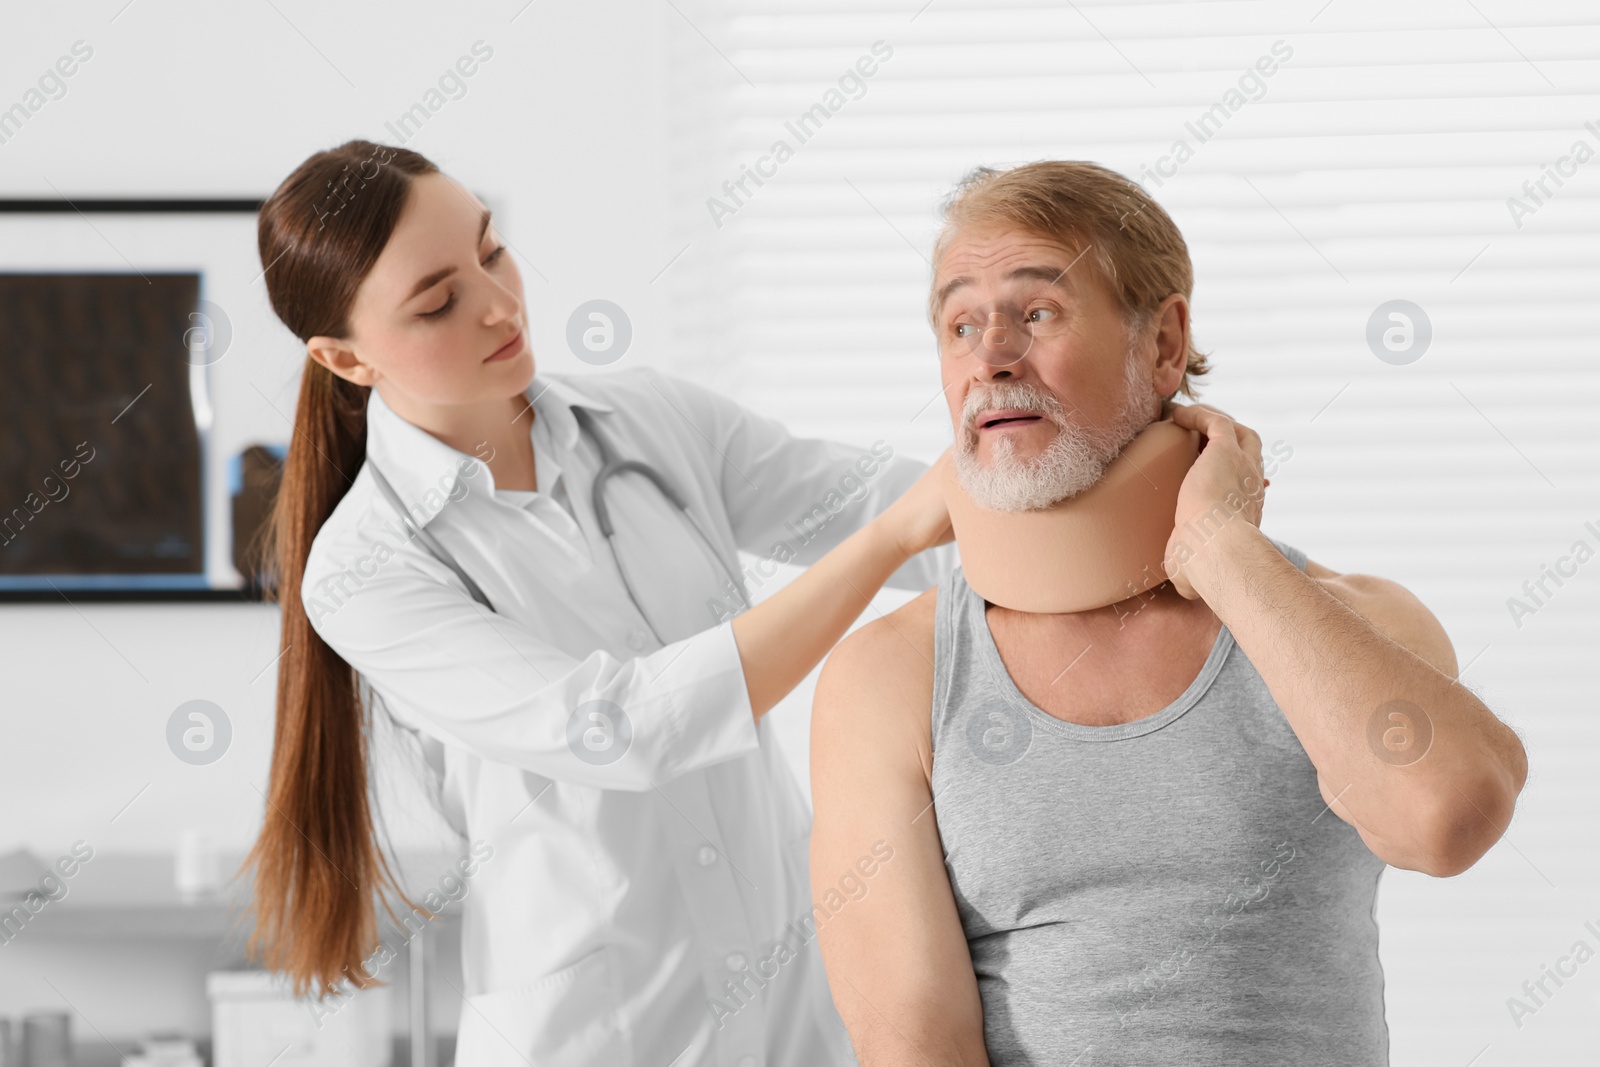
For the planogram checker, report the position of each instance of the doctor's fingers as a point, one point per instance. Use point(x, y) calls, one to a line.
point(1217, 425)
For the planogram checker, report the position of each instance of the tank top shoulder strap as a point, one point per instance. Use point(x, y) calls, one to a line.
point(952, 646)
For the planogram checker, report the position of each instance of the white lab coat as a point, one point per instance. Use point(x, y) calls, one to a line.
point(624, 901)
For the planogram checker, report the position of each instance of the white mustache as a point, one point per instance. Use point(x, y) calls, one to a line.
point(1023, 399)
point(1072, 461)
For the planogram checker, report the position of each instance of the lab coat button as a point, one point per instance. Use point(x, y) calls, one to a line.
point(708, 855)
point(736, 961)
point(636, 639)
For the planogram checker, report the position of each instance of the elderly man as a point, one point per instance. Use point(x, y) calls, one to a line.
point(1149, 832)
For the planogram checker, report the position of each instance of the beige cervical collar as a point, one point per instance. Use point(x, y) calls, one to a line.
point(1104, 545)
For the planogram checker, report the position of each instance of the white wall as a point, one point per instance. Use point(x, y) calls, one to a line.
point(562, 131)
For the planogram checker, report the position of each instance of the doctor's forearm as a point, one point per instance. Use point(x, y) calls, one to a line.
point(782, 638)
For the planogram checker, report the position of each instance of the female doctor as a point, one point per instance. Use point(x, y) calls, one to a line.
point(593, 704)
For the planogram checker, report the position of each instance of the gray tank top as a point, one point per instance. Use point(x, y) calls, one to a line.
point(1168, 890)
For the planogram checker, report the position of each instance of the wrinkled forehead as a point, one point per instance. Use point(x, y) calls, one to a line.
point(1008, 258)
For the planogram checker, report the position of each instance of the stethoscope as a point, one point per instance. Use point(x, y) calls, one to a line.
point(609, 465)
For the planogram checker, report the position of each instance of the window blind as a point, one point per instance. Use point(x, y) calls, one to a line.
point(1442, 155)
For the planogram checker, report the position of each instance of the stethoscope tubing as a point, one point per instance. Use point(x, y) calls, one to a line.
point(610, 466)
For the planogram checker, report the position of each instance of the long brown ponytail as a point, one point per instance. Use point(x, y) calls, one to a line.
point(318, 867)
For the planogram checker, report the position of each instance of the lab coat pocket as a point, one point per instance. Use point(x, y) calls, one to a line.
point(565, 1019)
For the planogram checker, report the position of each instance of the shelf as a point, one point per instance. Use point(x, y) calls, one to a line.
point(131, 896)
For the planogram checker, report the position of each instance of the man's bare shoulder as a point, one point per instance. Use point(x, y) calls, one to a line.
point(879, 678)
point(899, 644)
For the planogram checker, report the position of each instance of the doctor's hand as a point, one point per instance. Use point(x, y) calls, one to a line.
point(919, 519)
point(1226, 481)
point(786, 635)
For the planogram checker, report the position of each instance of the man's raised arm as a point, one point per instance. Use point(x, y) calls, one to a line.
point(895, 951)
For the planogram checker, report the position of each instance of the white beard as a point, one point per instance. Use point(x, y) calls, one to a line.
point(1072, 462)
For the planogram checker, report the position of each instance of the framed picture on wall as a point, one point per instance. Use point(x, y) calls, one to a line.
point(118, 319)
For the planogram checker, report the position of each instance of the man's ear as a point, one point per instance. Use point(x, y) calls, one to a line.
point(341, 359)
point(1171, 320)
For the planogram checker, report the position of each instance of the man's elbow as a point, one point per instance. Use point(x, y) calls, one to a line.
point(1467, 825)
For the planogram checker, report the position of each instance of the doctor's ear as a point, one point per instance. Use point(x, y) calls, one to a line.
point(341, 359)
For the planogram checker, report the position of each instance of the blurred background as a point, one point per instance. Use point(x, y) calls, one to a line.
point(1392, 211)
